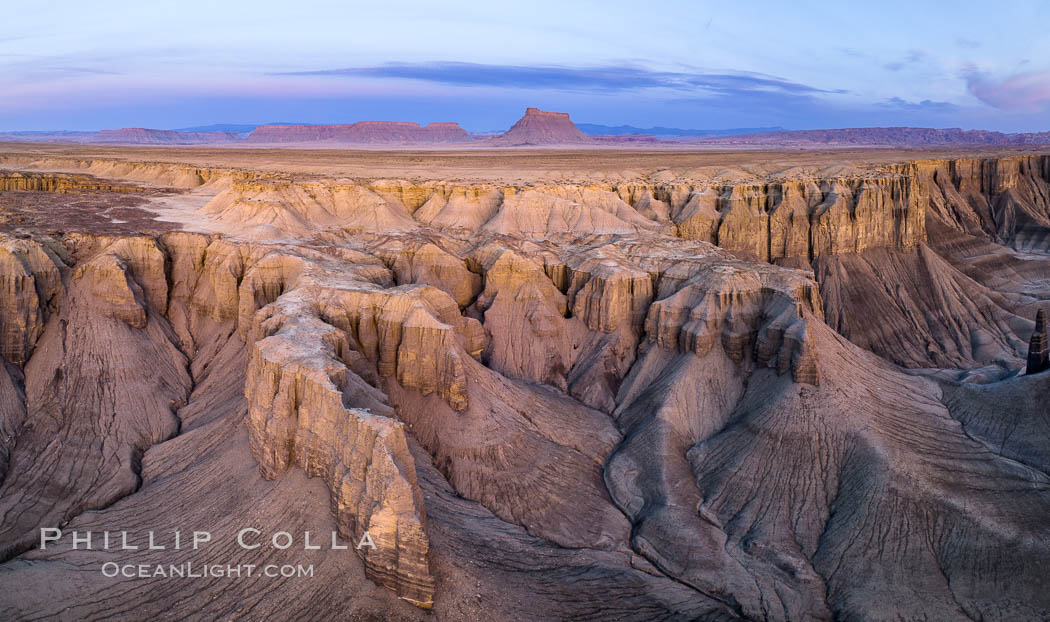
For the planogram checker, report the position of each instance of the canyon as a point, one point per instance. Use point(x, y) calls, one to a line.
point(571, 384)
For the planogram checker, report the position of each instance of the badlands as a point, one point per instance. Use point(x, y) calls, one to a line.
point(548, 384)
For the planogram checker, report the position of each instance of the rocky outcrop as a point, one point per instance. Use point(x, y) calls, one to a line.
point(797, 221)
point(31, 281)
point(858, 224)
point(297, 390)
point(744, 311)
point(525, 314)
point(856, 234)
point(90, 410)
point(56, 182)
point(459, 208)
point(930, 314)
point(273, 209)
point(1001, 198)
point(363, 133)
point(1038, 357)
point(109, 171)
point(413, 334)
point(536, 214)
point(432, 265)
point(540, 127)
point(712, 326)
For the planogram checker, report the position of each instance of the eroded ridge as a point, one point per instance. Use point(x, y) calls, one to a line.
point(297, 417)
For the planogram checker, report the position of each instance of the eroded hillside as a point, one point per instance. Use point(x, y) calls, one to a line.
point(658, 398)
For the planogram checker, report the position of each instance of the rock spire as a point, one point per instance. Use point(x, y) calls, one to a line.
point(1038, 359)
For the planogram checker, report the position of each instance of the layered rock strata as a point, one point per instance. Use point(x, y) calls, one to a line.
point(49, 182)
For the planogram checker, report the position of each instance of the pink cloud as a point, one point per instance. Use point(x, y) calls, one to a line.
point(1022, 92)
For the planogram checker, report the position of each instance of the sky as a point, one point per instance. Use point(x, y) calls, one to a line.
point(675, 63)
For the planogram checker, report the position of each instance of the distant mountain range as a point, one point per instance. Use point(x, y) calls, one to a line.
point(884, 136)
point(362, 133)
point(537, 127)
point(595, 129)
point(236, 128)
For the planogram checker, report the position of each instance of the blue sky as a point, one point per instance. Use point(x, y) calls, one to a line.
point(699, 64)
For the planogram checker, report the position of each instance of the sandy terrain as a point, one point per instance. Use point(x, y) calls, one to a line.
point(520, 165)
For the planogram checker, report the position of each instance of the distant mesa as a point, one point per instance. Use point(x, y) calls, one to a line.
point(540, 127)
point(362, 133)
point(144, 136)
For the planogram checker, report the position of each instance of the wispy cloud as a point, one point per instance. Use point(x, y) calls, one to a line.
point(40, 71)
point(925, 105)
point(68, 70)
point(604, 78)
point(911, 58)
point(4, 40)
point(970, 44)
point(1020, 92)
point(851, 52)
